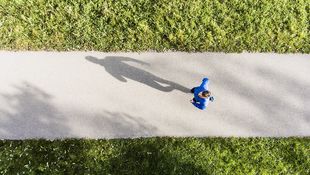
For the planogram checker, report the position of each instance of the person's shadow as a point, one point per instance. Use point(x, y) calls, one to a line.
point(119, 69)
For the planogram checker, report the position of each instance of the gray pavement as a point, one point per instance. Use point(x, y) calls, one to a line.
point(119, 95)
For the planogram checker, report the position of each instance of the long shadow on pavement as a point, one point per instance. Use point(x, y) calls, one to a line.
point(116, 66)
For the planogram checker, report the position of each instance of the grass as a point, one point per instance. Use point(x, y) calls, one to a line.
point(199, 25)
point(157, 156)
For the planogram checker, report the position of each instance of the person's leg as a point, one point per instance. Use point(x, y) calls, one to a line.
point(194, 100)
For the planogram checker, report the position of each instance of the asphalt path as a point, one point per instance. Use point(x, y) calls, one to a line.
point(119, 95)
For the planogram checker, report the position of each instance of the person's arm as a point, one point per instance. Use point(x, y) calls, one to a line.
point(204, 83)
point(134, 60)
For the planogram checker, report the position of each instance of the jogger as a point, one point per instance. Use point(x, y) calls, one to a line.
point(201, 95)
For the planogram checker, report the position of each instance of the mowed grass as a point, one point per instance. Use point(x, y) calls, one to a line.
point(142, 25)
point(157, 156)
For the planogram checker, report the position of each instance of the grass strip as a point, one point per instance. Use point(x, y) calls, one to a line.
point(141, 25)
point(157, 156)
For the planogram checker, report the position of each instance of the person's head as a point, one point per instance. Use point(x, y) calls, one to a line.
point(206, 94)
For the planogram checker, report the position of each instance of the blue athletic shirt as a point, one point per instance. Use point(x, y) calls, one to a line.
point(201, 103)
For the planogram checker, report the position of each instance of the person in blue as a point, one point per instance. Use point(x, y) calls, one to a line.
point(202, 95)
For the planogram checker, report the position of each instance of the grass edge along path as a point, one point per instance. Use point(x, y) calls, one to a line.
point(144, 25)
point(157, 156)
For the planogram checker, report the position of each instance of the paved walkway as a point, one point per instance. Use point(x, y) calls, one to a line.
point(116, 95)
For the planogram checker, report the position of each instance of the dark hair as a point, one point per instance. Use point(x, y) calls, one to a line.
point(206, 93)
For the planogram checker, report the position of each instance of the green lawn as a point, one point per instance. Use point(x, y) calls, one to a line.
point(157, 156)
point(141, 25)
